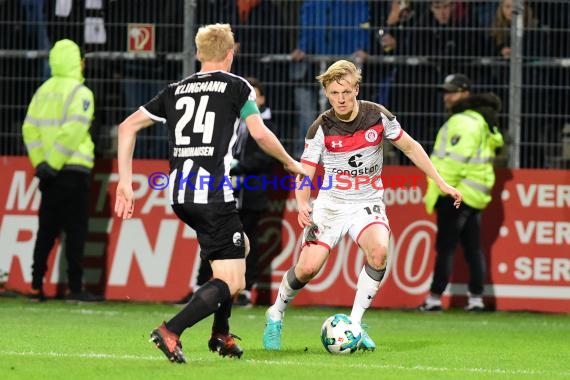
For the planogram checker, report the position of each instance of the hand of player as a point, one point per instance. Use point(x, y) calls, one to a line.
point(450, 190)
point(304, 215)
point(295, 167)
point(125, 203)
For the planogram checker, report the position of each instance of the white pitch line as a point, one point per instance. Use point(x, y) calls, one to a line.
point(88, 311)
point(327, 364)
point(86, 355)
point(413, 368)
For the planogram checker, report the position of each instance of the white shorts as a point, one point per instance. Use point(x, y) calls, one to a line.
point(333, 220)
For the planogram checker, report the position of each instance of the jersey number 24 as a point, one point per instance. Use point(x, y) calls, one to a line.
point(203, 121)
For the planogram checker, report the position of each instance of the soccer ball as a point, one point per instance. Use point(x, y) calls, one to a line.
point(340, 335)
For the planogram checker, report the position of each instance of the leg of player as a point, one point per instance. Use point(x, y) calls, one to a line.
point(374, 242)
point(221, 340)
point(233, 273)
point(311, 260)
point(228, 280)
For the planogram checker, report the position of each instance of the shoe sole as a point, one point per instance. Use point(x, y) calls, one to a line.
point(362, 348)
point(222, 351)
point(175, 357)
point(225, 353)
point(430, 310)
point(475, 310)
point(366, 348)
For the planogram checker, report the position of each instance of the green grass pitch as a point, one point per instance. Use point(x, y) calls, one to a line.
point(56, 340)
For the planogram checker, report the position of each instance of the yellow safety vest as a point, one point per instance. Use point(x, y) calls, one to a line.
point(463, 154)
point(56, 128)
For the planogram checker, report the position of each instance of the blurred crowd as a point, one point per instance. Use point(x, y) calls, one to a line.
point(405, 48)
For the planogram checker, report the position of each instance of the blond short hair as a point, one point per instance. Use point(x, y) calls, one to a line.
point(338, 71)
point(214, 41)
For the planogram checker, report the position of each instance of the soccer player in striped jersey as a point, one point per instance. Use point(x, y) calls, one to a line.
point(347, 140)
point(202, 113)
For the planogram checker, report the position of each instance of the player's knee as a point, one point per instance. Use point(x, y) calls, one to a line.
point(236, 286)
point(306, 272)
point(234, 280)
point(378, 257)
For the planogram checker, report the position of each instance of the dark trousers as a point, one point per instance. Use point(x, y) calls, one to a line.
point(64, 207)
point(249, 219)
point(453, 226)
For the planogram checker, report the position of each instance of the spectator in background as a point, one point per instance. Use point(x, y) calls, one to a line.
point(335, 27)
point(389, 24)
point(390, 37)
point(444, 41)
point(501, 28)
point(446, 35)
point(36, 24)
point(56, 134)
point(536, 98)
point(389, 82)
point(464, 152)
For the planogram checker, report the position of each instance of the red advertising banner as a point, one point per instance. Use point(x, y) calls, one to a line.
point(154, 257)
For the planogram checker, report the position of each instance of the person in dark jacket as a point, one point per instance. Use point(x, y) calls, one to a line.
point(250, 160)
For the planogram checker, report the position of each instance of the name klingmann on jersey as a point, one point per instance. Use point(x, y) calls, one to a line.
point(202, 114)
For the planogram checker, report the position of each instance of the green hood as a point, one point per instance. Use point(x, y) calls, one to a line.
point(65, 60)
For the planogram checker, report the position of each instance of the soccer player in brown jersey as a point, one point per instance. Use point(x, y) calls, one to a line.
point(203, 112)
point(347, 140)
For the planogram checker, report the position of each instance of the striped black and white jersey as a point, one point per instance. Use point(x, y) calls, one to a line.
point(202, 113)
point(350, 152)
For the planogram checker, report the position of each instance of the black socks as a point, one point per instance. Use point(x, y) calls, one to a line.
point(212, 297)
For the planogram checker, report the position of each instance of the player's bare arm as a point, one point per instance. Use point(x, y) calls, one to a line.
point(416, 153)
point(271, 145)
point(125, 202)
point(303, 196)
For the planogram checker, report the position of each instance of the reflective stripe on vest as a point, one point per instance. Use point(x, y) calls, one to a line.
point(477, 186)
point(49, 122)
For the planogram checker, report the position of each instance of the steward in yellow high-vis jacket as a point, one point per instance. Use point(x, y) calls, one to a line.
point(60, 148)
point(463, 154)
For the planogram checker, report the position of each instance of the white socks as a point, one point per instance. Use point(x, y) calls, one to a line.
point(366, 290)
point(284, 296)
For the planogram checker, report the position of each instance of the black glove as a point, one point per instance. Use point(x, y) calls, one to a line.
point(45, 172)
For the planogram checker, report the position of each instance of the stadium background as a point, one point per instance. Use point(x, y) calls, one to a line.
point(135, 47)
